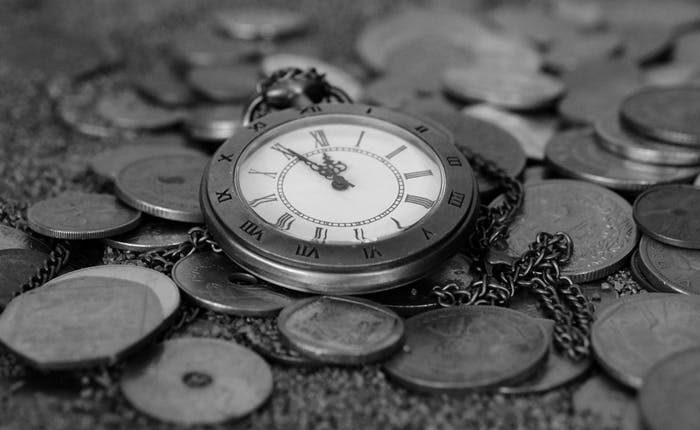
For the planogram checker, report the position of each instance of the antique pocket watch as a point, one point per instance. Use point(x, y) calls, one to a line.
point(339, 198)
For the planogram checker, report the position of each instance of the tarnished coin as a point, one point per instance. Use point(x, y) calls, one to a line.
point(12, 238)
point(75, 215)
point(224, 83)
point(201, 47)
point(418, 297)
point(266, 340)
point(602, 398)
point(613, 137)
point(557, 371)
point(637, 273)
point(468, 348)
point(334, 74)
point(166, 187)
point(532, 132)
point(216, 283)
point(261, 23)
point(566, 53)
point(669, 214)
point(486, 139)
point(576, 154)
point(508, 88)
point(214, 123)
point(151, 234)
point(598, 221)
point(18, 266)
point(88, 317)
point(108, 163)
point(631, 337)
point(127, 109)
point(666, 113)
point(197, 381)
point(670, 396)
point(669, 269)
point(341, 330)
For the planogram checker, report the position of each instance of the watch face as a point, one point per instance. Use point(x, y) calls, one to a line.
point(338, 179)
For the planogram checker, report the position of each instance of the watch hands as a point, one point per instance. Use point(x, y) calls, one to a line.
point(330, 169)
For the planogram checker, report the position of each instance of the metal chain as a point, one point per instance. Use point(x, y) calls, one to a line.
point(163, 260)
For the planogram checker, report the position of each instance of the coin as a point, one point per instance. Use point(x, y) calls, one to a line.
point(670, 397)
point(530, 22)
point(584, 14)
point(536, 173)
point(162, 85)
point(126, 109)
point(576, 154)
point(76, 108)
point(418, 297)
point(532, 132)
point(88, 317)
point(18, 266)
point(339, 330)
point(645, 43)
point(152, 234)
point(468, 348)
point(166, 187)
point(108, 163)
point(214, 282)
point(566, 53)
point(613, 137)
point(260, 23)
point(266, 340)
point(486, 139)
point(672, 74)
point(665, 113)
point(76, 215)
point(629, 338)
point(508, 88)
point(669, 269)
point(556, 372)
point(214, 123)
point(201, 47)
point(224, 83)
point(603, 398)
point(598, 221)
point(12, 238)
point(637, 274)
point(405, 93)
point(334, 74)
point(197, 381)
point(668, 213)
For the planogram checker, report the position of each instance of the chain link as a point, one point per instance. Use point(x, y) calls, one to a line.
point(163, 260)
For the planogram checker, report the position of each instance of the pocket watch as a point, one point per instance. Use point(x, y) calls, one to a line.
point(339, 198)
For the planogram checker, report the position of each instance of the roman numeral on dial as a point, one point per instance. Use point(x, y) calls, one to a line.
point(260, 200)
point(282, 150)
point(320, 235)
point(284, 222)
point(395, 152)
point(320, 139)
point(422, 201)
point(272, 175)
point(412, 175)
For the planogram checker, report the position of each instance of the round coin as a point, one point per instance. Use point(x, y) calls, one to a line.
point(666, 113)
point(613, 137)
point(18, 266)
point(266, 340)
point(669, 213)
point(214, 123)
point(637, 273)
point(668, 268)
point(631, 337)
point(127, 110)
point(88, 317)
point(598, 221)
point(224, 83)
point(468, 348)
point(215, 282)
point(162, 85)
point(670, 396)
point(261, 23)
point(12, 238)
point(201, 47)
point(150, 235)
point(197, 381)
point(340, 330)
point(76, 215)
point(576, 154)
point(566, 53)
point(508, 88)
point(166, 187)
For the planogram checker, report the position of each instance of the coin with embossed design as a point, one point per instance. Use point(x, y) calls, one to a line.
point(152, 234)
point(76, 215)
point(213, 281)
point(668, 268)
point(598, 221)
point(12, 238)
point(669, 214)
point(630, 337)
point(341, 330)
point(670, 396)
point(468, 348)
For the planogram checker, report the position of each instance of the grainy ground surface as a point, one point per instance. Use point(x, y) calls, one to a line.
point(39, 157)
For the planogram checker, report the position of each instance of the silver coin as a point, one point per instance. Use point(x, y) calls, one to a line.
point(127, 110)
point(214, 123)
point(152, 234)
point(197, 381)
point(668, 214)
point(213, 281)
point(75, 215)
point(338, 330)
point(12, 238)
point(76, 108)
point(88, 317)
point(18, 266)
point(266, 340)
point(261, 23)
point(637, 274)
point(669, 269)
point(568, 52)
point(576, 154)
point(201, 47)
point(224, 83)
point(533, 23)
point(613, 137)
point(405, 93)
point(166, 187)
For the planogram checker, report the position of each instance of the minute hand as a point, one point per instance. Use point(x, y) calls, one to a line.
point(325, 170)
